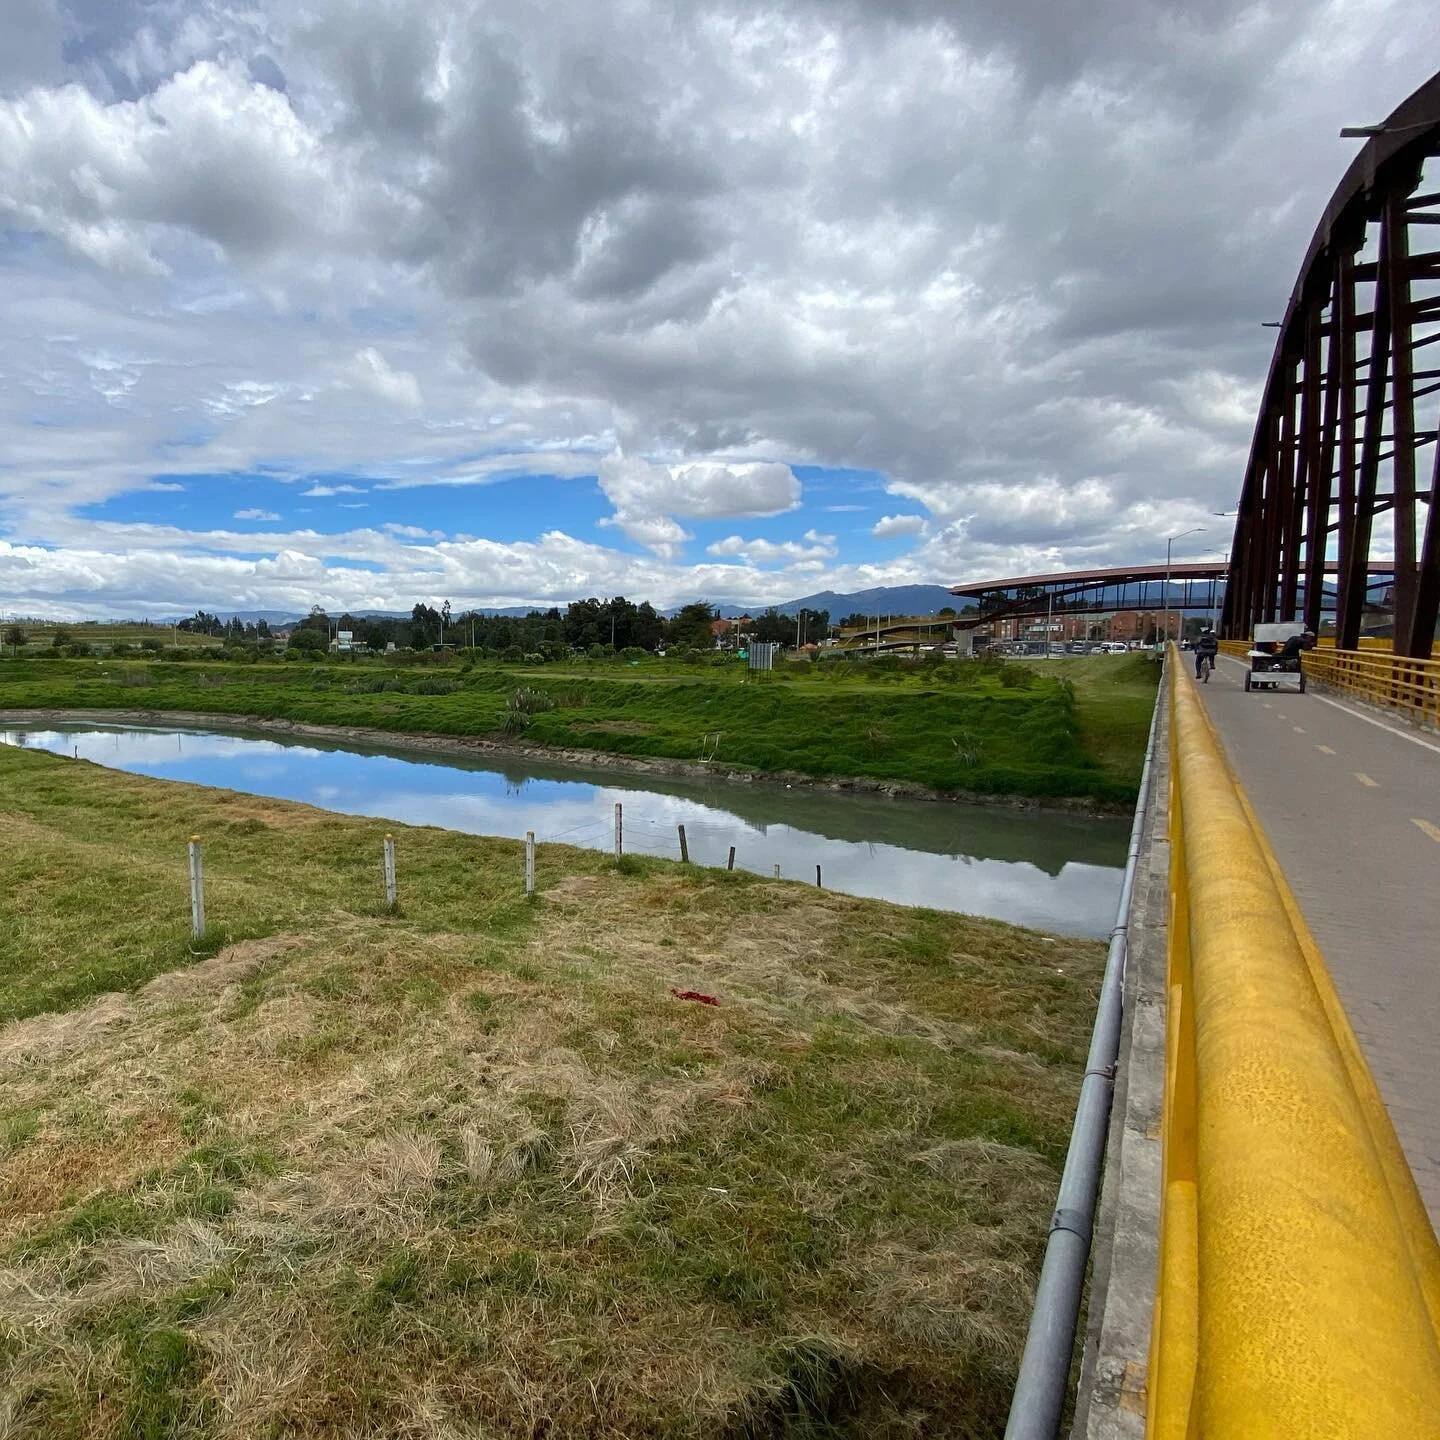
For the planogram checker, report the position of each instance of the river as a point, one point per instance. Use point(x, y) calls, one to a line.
point(1047, 870)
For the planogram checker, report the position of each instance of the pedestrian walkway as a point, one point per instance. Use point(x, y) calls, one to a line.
point(1351, 806)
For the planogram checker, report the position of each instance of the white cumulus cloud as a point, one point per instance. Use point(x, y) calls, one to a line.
point(371, 372)
point(648, 496)
point(256, 514)
point(889, 526)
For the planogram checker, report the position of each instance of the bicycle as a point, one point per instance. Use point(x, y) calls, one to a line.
point(1205, 665)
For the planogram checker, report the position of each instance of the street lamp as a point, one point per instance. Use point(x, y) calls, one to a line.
point(1368, 132)
point(1165, 619)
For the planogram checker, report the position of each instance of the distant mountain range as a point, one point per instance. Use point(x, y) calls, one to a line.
point(881, 600)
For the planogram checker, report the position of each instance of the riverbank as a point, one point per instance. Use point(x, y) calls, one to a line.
point(969, 730)
point(477, 1163)
point(500, 750)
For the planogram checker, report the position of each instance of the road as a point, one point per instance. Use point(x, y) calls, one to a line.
point(1351, 806)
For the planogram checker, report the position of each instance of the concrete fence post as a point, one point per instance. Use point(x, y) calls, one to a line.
point(390, 871)
point(529, 862)
point(197, 890)
point(684, 848)
point(619, 831)
point(777, 872)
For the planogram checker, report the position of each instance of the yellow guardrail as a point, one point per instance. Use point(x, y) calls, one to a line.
point(1411, 687)
point(1299, 1283)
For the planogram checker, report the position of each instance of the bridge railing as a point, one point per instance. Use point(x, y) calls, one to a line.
point(1395, 682)
point(1299, 1281)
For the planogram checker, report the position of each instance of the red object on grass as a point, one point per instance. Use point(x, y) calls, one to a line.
point(694, 995)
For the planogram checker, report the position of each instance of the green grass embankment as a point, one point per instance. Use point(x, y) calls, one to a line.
point(987, 729)
point(473, 1168)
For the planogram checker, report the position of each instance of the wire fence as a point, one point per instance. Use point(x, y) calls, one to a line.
point(656, 837)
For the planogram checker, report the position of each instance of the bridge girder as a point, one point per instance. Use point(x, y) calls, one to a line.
point(1325, 467)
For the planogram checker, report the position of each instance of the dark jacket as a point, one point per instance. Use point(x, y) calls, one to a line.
point(1208, 645)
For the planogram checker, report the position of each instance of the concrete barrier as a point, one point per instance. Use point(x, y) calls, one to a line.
point(1299, 1282)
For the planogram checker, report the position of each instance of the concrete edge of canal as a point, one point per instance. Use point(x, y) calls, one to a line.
point(1110, 1403)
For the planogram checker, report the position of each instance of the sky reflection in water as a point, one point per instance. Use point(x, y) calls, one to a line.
point(1053, 872)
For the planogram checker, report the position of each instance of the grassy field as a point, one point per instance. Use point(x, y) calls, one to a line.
point(473, 1169)
point(40, 634)
point(1114, 699)
point(1077, 730)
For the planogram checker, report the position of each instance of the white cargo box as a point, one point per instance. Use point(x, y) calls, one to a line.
point(1278, 632)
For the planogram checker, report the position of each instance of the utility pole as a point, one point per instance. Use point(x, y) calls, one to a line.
point(1165, 602)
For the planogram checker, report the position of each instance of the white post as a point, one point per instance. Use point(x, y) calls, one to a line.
point(529, 862)
point(197, 890)
point(619, 832)
point(390, 871)
point(777, 872)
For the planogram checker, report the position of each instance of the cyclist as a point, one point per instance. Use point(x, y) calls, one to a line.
point(1206, 649)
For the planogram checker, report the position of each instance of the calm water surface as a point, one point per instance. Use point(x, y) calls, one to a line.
point(1054, 872)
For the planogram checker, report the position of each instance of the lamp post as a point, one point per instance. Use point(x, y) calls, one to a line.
point(1367, 132)
point(1165, 617)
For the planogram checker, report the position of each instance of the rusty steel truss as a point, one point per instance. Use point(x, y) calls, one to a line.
point(1343, 465)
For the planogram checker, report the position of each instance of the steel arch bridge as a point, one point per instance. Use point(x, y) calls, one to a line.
point(1344, 464)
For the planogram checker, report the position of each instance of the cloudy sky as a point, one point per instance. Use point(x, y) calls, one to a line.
point(360, 302)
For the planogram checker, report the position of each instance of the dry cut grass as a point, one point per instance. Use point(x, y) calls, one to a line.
point(474, 1171)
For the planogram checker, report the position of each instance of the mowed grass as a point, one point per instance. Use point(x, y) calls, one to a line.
point(472, 1169)
point(999, 729)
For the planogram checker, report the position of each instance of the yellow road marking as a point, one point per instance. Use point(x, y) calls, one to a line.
point(1325, 749)
point(1364, 779)
point(1433, 831)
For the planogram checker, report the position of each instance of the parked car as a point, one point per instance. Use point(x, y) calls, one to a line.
point(1115, 647)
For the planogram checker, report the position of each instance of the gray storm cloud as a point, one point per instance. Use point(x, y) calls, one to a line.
point(1011, 258)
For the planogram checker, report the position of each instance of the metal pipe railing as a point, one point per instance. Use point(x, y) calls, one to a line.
point(1039, 1398)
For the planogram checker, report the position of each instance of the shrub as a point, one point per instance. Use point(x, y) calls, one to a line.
point(512, 655)
point(633, 652)
point(523, 706)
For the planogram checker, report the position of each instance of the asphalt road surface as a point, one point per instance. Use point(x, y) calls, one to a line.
point(1351, 805)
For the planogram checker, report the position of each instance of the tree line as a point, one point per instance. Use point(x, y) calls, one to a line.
point(611, 626)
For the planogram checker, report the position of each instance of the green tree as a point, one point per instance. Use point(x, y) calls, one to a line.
point(424, 626)
point(15, 637)
point(60, 637)
point(690, 629)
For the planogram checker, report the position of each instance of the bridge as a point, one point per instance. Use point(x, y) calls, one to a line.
point(1184, 586)
point(1252, 1187)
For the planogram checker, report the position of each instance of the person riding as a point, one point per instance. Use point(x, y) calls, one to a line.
point(1207, 647)
point(1289, 653)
